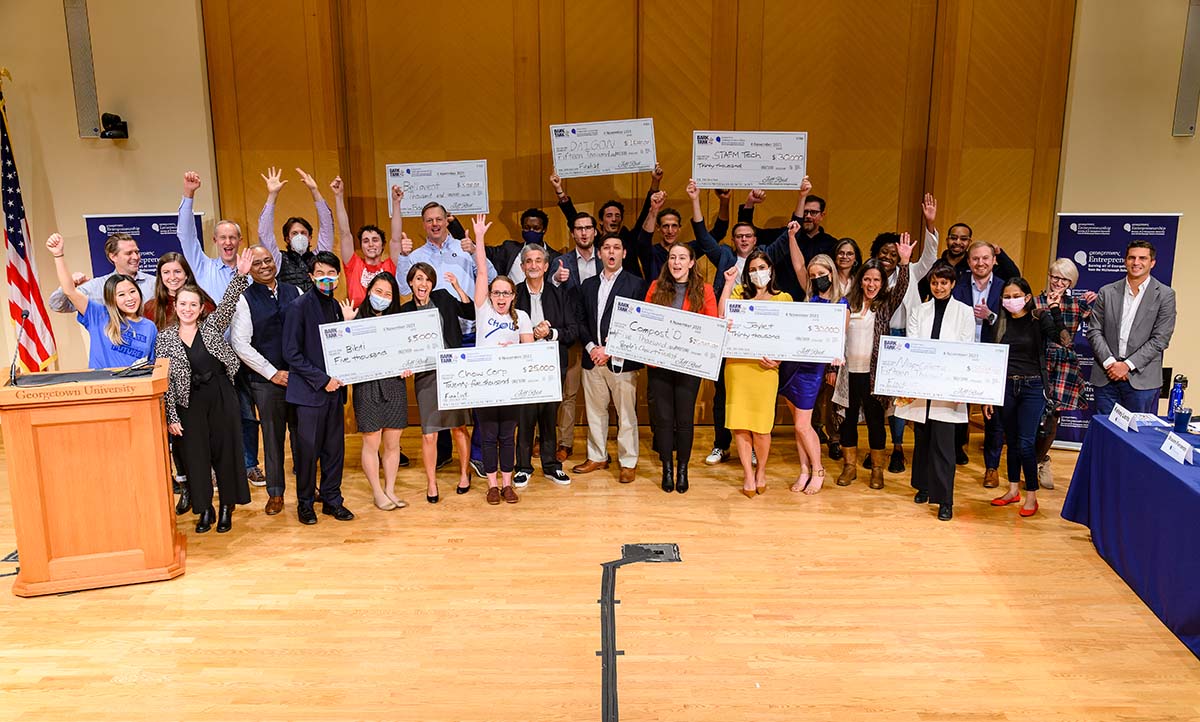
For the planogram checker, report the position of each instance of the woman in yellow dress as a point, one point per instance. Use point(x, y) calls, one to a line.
point(752, 384)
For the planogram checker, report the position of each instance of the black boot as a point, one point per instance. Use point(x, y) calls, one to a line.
point(225, 519)
point(205, 522)
point(681, 480)
point(184, 505)
point(835, 451)
point(896, 463)
point(668, 477)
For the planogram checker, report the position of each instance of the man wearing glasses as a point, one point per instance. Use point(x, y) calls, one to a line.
point(569, 271)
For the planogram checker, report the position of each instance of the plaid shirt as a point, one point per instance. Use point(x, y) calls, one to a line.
point(1062, 365)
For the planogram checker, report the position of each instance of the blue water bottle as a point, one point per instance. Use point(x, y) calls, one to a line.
point(1176, 398)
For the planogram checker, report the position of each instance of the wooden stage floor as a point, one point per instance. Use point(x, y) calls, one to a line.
point(851, 605)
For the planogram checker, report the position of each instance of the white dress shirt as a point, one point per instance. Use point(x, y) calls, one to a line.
point(241, 330)
point(1129, 307)
point(978, 296)
point(606, 286)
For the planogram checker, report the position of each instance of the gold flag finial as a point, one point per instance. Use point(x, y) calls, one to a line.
point(4, 74)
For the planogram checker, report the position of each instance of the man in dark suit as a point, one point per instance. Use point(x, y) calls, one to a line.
point(980, 288)
point(605, 377)
point(555, 316)
point(1131, 325)
point(612, 218)
point(317, 396)
point(506, 256)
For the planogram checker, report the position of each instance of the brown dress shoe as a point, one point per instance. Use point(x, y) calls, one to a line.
point(589, 466)
point(627, 475)
point(274, 505)
point(493, 495)
point(562, 453)
point(509, 494)
point(991, 479)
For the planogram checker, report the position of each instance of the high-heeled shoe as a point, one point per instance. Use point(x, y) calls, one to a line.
point(184, 505)
point(668, 477)
point(1029, 512)
point(432, 499)
point(463, 489)
point(205, 522)
point(681, 477)
point(749, 493)
point(225, 518)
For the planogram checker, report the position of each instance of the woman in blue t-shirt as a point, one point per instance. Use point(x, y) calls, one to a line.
point(118, 332)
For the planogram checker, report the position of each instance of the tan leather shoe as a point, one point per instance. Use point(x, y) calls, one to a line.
point(509, 494)
point(627, 475)
point(562, 453)
point(589, 466)
point(274, 505)
point(991, 479)
point(493, 495)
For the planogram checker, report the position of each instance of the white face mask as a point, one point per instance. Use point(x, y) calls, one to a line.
point(299, 242)
point(761, 278)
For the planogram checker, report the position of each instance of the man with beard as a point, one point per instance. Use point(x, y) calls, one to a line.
point(612, 218)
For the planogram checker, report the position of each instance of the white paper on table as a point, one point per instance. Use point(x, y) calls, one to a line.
point(1143, 420)
point(1177, 448)
point(459, 185)
point(1121, 417)
point(609, 147)
point(749, 159)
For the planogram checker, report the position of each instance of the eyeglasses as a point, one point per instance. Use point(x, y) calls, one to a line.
point(845, 254)
point(502, 294)
point(584, 228)
point(812, 212)
point(1060, 279)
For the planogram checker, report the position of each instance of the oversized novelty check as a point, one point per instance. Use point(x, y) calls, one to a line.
point(609, 147)
point(459, 185)
point(941, 370)
point(525, 373)
point(662, 336)
point(748, 159)
point(786, 331)
point(367, 349)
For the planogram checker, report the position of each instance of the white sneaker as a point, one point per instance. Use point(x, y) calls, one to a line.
point(753, 458)
point(1045, 478)
point(558, 477)
point(521, 479)
point(717, 456)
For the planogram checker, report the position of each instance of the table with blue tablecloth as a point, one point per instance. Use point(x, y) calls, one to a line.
point(1143, 509)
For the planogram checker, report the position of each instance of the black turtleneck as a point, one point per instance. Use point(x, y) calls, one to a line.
point(939, 312)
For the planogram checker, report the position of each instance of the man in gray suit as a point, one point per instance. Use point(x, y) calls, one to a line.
point(1130, 327)
point(568, 272)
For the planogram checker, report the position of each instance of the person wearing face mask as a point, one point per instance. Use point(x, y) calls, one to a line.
point(958, 240)
point(506, 256)
point(292, 262)
point(318, 397)
point(980, 288)
point(1027, 333)
point(122, 251)
point(872, 303)
point(118, 332)
point(679, 285)
point(1065, 390)
point(611, 218)
point(256, 335)
point(202, 406)
point(946, 319)
point(381, 406)
point(752, 384)
point(362, 269)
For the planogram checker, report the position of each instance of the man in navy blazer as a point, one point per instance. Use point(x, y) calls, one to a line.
point(603, 376)
point(980, 289)
point(317, 396)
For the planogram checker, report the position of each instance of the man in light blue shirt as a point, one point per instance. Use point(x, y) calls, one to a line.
point(441, 250)
point(213, 274)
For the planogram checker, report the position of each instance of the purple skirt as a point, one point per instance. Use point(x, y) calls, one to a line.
point(802, 384)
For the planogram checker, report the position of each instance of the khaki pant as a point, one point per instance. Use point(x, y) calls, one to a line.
point(570, 390)
point(600, 384)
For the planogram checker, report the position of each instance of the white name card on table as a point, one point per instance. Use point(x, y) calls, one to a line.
point(460, 185)
point(941, 370)
point(1121, 417)
point(609, 147)
point(367, 349)
point(748, 159)
point(1178, 448)
point(525, 373)
point(814, 332)
point(1142, 420)
point(690, 343)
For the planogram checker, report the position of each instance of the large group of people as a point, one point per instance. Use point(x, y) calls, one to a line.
point(241, 331)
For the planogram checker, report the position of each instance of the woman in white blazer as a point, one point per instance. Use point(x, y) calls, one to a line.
point(933, 466)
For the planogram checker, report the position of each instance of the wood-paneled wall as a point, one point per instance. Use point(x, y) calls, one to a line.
point(964, 98)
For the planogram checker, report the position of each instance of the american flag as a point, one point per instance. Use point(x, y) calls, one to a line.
point(37, 343)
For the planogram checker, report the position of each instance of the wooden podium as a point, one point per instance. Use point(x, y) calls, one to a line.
point(89, 474)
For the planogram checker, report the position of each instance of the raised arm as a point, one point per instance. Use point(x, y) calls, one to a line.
point(802, 197)
point(705, 242)
point(656, 177)
point(324, 216)
point(78, 299)
point(266, 219)
point(731, 274)
point(481, 226)
point(345, 240)
point(929, 246)
point(185, 225)
point(565, 204)
point(896, 294)
point(796, 256)
point(224, 312)
point(401, 245)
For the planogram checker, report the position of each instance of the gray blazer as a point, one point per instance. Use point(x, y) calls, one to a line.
point(1148, 337)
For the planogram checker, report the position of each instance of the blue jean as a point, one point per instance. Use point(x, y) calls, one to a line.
point(249, 425)
point(1120, 392)
point(1024, 403)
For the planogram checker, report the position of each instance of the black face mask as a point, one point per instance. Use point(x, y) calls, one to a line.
point(534, 237)
point(822, 283)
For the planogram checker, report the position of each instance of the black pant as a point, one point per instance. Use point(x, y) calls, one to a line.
point(545, 416)
point(212, 439)
point(497, 430)
point(322, 437)
point(674, 412)
point(862, 398)
point(722, 437)
point(1024, 403)
point(277, 417)
point(933, 460)
point(445, 447)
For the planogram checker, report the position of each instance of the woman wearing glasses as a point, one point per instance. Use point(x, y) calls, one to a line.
point(846, 259)
point(1064, 380)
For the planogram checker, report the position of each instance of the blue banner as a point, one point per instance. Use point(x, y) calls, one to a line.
point(1096, 243)
point(154, 233)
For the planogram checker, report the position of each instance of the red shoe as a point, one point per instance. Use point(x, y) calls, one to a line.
point(1001, 501)
point(1029, 512)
